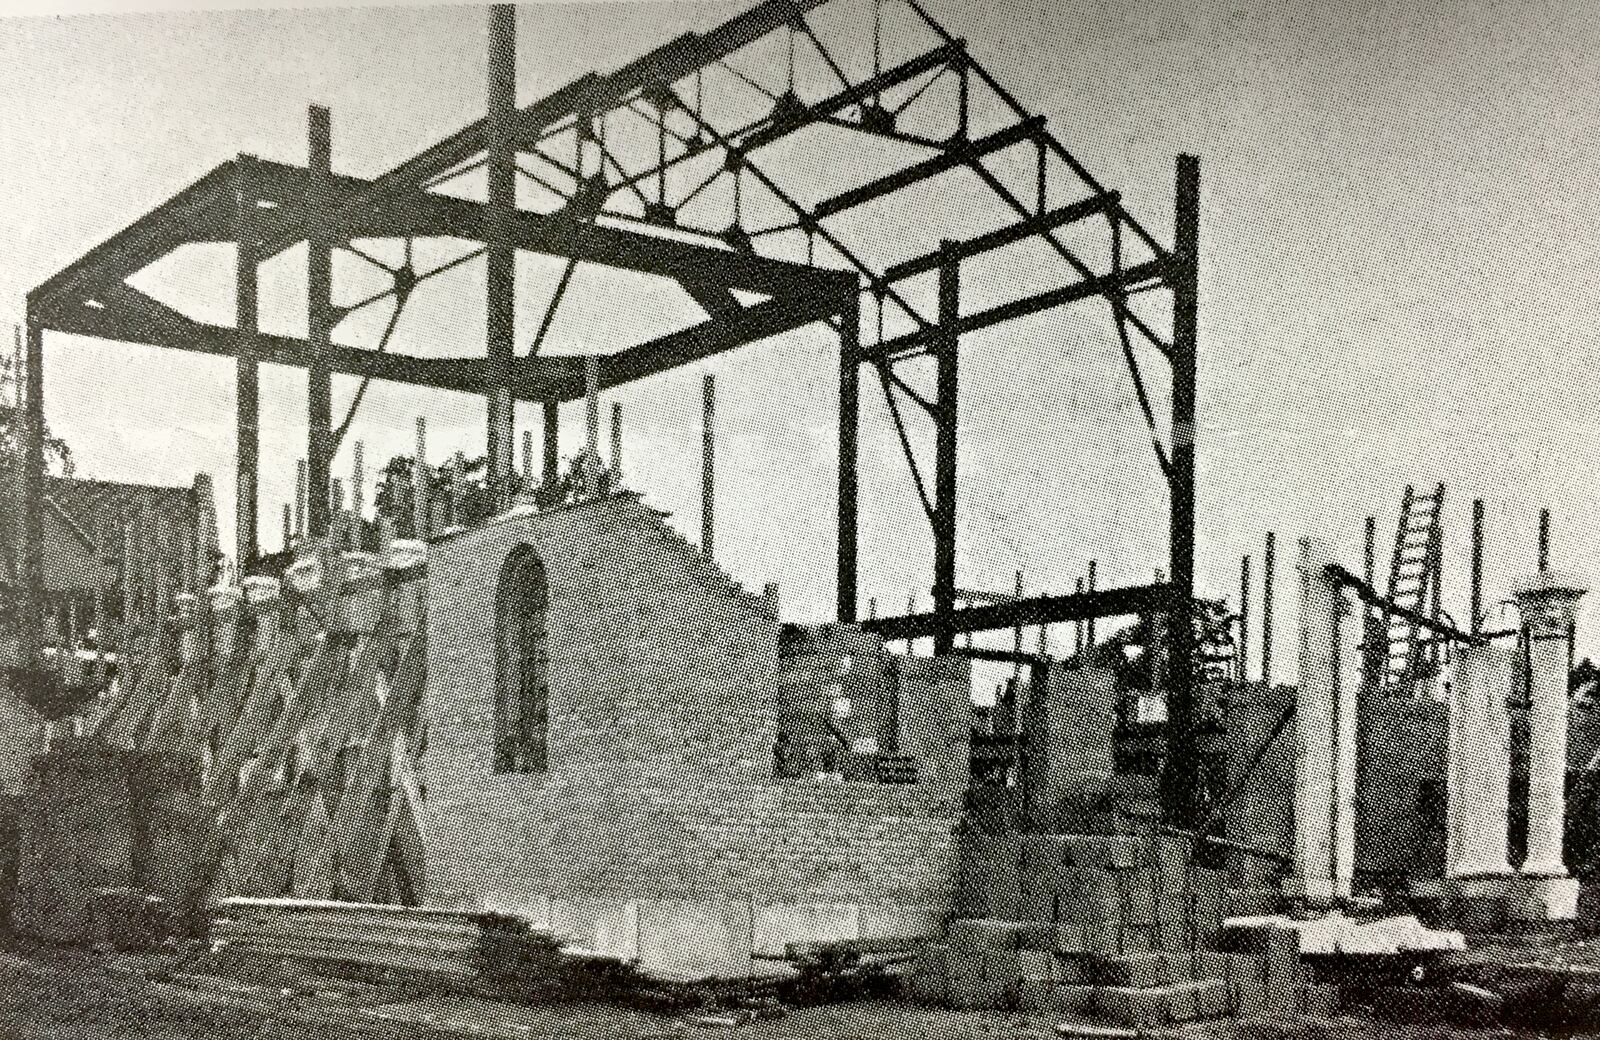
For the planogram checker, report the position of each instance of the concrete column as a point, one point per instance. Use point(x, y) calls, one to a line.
point(1547, 602)
point(1325, 733)
point(1478, 769)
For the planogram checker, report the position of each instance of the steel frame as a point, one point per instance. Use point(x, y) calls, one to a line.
point(655, 168)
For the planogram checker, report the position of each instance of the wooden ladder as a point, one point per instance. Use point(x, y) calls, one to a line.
point(1413, 577)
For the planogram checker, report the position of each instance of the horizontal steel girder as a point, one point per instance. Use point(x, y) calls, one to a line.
point(129, 316)
point(202, 213)
point(1036, 610)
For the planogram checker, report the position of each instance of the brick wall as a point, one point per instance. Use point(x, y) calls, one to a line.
point(663, 719)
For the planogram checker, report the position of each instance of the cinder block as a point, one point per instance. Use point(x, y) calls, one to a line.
point(1139, 970)
point(1042, 853)
point(1247, 984)
point(1074, 998)
point(1285, 976)
point(1322, 999)
point(969, 990)
point(1140, 1008)
point(1211, 998)
point(1037, 901)
point(1182, 1005)
point(1038, 965)
point(1173, 934)
point(1140, 892)
point(1106, 851)
point(1001, 976)
point(1102, 938)
point(933, 959)
point(927, 988)
point(1072, 970)
point(1210, 966)
point(1035, 995)
point(1003, 897)
point(1057, 937)
point(1173, 857)
point(1139, 938)
point(983, 934)
point(1205, 915)
point(1179, 966)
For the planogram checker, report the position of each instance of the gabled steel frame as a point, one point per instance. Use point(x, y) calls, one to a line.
point(578, 151)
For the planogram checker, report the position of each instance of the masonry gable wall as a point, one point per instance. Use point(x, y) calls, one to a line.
point(663, 720)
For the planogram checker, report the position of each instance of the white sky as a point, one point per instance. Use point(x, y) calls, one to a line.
point(1398, 208)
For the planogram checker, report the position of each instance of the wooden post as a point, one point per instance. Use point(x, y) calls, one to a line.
point(1242, 667)
point(849, 452)
point(1268, 567)
point(1476, 620)
point(947, 360)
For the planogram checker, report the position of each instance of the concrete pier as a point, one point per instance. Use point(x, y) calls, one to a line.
point(1325, 732)
point(1479, 769)
point(1548, 602)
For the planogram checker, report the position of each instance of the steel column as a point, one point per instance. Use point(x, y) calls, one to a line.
point(319, 321)
point(849, 453)
point(500, 253)
point(947, 357)
point(1475, 622)
point(708, 467)
point(247, 370)
point(552, 443)
point(1181, 794)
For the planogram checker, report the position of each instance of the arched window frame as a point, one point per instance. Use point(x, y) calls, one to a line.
point(522, 691)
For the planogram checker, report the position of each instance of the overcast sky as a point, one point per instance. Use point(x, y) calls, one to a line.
point(1398, 227)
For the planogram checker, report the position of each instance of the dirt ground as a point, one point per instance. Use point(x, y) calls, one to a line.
point(74, 995)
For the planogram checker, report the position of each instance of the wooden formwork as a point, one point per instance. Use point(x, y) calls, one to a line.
point(298, 704)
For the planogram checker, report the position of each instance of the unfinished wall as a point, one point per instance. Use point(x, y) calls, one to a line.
point(1400, 824)
point(660, 812)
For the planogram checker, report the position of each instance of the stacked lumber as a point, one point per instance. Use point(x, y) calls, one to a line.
point(426, 942)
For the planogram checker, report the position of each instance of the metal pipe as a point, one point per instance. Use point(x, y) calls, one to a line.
point(320, 320)
point(499, 252)
point(247, 375)
point(708, 462)
point(846, 575)
point(947, 358)
point(1475, 625)
point(1268, 569)
point(1242, 666)
point(421, 500)
point(616, 441)
point(1544, 539)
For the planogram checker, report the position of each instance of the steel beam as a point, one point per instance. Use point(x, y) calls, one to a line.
point(947, 357)
point(247, 373)
point(1018, 232)
point(500, 255)
point(959, 154)
point(846, 589)
point(1037, 610)
point(1182, 775)
point(913, 342)
point(319, 322)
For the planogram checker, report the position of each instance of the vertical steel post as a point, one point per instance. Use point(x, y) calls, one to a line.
point(947, 355)
point(1088, 586)
point(301, 479)
point(421, 499)
point(1242, 668)
point(552, 442)
point(1181, 794)
point(1476, 620)
point(31, 634)
point(500, 253)
point(1544, 539)
point(1268, 566)
point(320, 318)
point(708, 467)
point(358, 478)
point(527, 458)
point(1077, 626)
point(849, 454)
point(616, 441)
point(1371, 658)
point(247, 369)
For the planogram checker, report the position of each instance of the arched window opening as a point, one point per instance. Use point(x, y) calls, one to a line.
point(522, 692)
